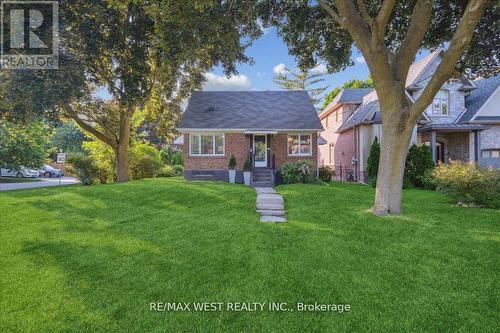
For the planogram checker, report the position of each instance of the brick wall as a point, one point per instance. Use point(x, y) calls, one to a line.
point(331, 137)
point(279, 146)
point(237, 144)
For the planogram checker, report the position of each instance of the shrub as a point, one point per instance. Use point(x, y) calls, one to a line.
point(166, 171)
point(232, 163)
point(469, 184)
point(247, 166)
point(178, 169)
point(418, 163)
point(299, 172)
point(144, 161)
point(373, 160)
point(84, 168)
point(171, 157)
point(325, 174)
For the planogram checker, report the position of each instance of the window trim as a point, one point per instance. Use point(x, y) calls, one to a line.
point(331, 154)
point(214, 154)
point(448, 111)
point(300, 137)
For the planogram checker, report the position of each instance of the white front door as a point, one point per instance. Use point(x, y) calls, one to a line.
point(260, 149)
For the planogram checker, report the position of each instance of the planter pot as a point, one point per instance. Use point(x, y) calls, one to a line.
point(232, 176)
point(246, 177)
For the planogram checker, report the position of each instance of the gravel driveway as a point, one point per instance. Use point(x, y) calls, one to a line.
point(44, 182)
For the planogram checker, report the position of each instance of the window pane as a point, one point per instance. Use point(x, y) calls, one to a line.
point(444, 107)
point(495, 153)
point(436, 106)
point(207, 144)
point(305, 140)
point(293, 144)
point(195, 144)
point(219, 144)
point(485, 153)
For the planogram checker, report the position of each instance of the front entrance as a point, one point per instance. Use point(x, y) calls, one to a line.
point(260, 150)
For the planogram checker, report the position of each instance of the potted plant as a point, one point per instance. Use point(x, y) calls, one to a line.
point(232, 166)
point(247, 168)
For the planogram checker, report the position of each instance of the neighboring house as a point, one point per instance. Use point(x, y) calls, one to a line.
point(267, 127)
point(462, 123)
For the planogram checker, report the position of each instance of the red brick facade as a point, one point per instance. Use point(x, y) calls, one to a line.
point(239, 144)
point(279, 146)
point(236, 144)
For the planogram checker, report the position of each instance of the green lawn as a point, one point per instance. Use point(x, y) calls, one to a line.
point(93, 259)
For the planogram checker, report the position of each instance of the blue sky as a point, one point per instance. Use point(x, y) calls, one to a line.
point(269, 52)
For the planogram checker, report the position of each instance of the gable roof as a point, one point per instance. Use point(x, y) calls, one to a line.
point(250, 110)
point(476, 99)
point(347, 96)
point(365, 113)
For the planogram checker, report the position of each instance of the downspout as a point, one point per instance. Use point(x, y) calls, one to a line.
point(317, 154)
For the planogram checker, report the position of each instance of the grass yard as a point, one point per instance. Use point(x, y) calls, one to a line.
point(93, 259)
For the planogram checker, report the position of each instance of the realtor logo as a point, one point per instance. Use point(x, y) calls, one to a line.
point(29, 35)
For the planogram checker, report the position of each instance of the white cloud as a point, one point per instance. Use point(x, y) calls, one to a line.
point(221, 82)
point(360, 60)
point(320, 69)
point(280, 69)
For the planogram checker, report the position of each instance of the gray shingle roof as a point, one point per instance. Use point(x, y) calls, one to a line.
point(352, 95)
point(365, 113)
point(477, 97)
point(251, 110)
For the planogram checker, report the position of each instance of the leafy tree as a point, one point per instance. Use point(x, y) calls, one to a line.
point(23, 145)
point(389, 34)
point(68, 137)
point(373, 160)
point(302, 80)
point(354, 83)
point(146, 54)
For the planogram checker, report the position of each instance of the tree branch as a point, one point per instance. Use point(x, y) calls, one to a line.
point(383, 18)
point(364, 12)
point(461, 39)
point(332, 13)
point(70, 112)
point(420, 19)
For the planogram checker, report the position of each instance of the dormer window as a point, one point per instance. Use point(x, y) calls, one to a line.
point(440, 106)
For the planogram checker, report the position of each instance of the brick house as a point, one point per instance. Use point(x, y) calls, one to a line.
point(462, 123)
point(266, 127)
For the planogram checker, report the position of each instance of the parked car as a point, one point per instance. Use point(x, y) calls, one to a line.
point(22, 172)
point(48, 172)
point(34, 173)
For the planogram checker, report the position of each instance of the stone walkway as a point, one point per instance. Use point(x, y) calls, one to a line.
point(270, 205)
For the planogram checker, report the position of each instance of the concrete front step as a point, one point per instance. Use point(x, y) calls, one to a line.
point(270, 212)
point(272, 219)
point(263, 190)
point(270, 197)
point(268, 206)
point(261, 184)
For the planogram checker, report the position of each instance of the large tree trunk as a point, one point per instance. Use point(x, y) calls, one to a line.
point(122, 149)
point(396, 135)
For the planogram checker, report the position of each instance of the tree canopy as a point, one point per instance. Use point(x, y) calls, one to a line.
point(311, 34)
point(354, 83)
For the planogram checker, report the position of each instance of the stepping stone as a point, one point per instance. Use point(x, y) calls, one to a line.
point(269, 212)
point(264, 190)
point(272, 219)
point(270, 198)
point(267, 206)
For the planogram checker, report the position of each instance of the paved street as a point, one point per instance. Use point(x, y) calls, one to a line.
point(44, 182)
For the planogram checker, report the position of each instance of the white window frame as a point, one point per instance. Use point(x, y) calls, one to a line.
point(300, 145)
point(440, 114)
point(213, 144)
